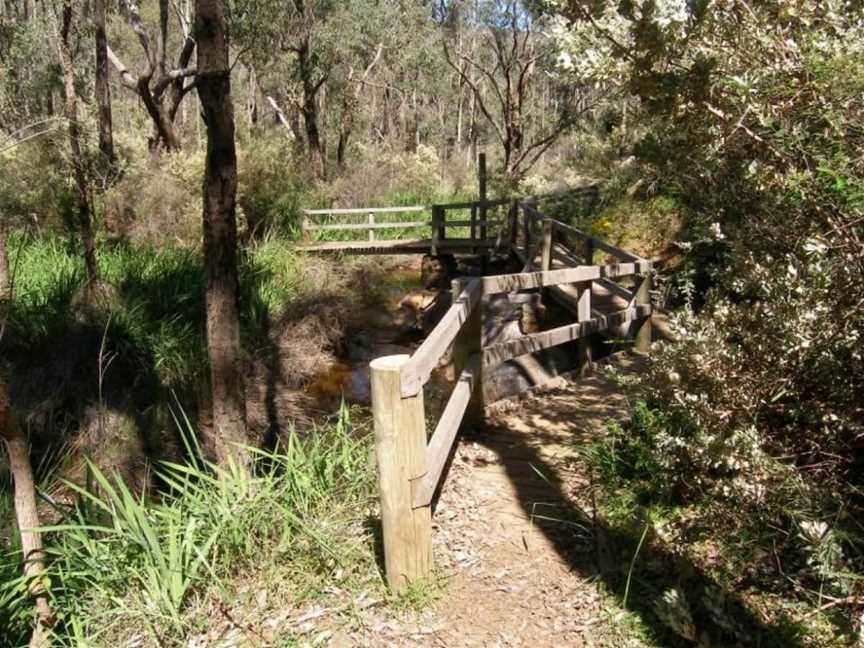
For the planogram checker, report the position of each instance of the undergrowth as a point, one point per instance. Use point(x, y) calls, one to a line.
point(718, 566)
point(215, 553)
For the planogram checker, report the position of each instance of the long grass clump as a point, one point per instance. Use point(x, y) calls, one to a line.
point(158, 569)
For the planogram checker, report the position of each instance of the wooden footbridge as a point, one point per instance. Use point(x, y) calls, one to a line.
point(604, 287)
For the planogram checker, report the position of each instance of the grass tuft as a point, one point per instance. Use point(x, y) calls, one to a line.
point(148, 568)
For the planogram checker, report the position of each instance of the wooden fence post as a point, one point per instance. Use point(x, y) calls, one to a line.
point(371, 229)
point(467, 343)
point(437, 228)
point(583, 314)
point(400, 447)
point(484, 212)
point(304, 228)
point(513, 215)
point(589, 251)
point(473, 229)
point(643, 333)
point(546, 252)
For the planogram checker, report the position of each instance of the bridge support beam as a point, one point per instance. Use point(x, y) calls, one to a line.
point(400, 448)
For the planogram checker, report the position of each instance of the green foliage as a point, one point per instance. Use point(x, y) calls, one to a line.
point(268, 198)
point(122, 564)
point(155, 306)
point(757, 417)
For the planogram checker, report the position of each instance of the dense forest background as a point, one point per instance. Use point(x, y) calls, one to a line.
point(726, 138)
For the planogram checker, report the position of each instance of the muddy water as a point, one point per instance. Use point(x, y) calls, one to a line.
point(390, 331)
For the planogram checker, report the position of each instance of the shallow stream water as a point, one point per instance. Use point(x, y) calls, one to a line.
point(393, 331)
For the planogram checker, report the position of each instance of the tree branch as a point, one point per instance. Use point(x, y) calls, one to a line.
point(477, 94)
point(126, 77)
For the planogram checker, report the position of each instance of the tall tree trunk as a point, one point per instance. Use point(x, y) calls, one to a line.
point(27, 518)
point(220, 237)
point(5, 281)
point(85, 223)
point(309, 108)
point(103, 89)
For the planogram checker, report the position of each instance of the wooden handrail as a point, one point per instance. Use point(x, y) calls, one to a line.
point(365, 210)
point(416, 372)
point(598, 243)
point(410, 466)
point(366, 226)
point(445, 432)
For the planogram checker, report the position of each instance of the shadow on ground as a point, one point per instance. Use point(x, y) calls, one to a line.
point(595, 549)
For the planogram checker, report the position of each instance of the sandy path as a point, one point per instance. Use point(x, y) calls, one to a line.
point(512, 530)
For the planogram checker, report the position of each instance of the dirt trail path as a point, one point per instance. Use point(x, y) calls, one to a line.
point(513, 533)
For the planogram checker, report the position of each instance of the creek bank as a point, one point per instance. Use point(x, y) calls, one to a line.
point(417, 295)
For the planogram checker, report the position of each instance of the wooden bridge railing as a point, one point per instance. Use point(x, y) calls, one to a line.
point(411, 465)
point(435, 226)
point(472, 225)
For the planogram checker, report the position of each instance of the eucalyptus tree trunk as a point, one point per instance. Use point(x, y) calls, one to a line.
point(27, 519)
point(103, 89)
point(85, 223)
point(5, 281)
point(220, 237)
point(311, 116)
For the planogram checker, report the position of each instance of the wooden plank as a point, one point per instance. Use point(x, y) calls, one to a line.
point(400, 448)
point(404, 246)
point(445, 432)
point(597, 243)
point(617, 290)
point(366, 210)
point(527, 280)
point(624, 269)
point(475, 203)
point(498, 353)
point(467, 223)
point(416, 372)
point(369, 225)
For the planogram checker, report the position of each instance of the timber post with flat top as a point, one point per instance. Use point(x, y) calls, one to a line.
point(400, 448)
point(513, 215)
